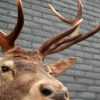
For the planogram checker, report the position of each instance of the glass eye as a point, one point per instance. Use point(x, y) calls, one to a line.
point(5, 69)
point(50, 73)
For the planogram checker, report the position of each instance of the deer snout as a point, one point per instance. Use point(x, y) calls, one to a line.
point(48, 90)
point(54, 94)
point(61, 94)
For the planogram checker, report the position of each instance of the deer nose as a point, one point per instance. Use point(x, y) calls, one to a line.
point(61, 94)
point(55, 94)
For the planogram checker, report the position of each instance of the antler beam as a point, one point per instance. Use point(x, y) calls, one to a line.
point(7, 41)
point(64, 44)
point(20, 22)
point(62, 41)
point(78, 17)
point(50, 42)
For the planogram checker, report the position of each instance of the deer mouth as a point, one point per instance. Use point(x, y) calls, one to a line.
point(59, 98)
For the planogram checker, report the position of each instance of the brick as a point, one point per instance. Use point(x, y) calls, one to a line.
point(77, 47)
point(7, 19)
point(84, 81)
point(34, 2)
point(92, 75)
point(24, 43)
point(85, 43)
point(14, 14)
point(77, 99)
point(50, 29)
point(32, 12)
point(26, 30)
point(87, 95)
point(72, 94)
point(27, 5)
point(67, 52)
point(91, 50)
point(83, 67)
point(96, 57)
point(97, 69)
point(89, 7)
point(42, 21)
point(35, 45)
point(97, 82)
point(32, 24)
point(93, 13)
point(66, 79)
point(3, 11)
point(83, 54)
point(98, 96)
point(7, 6)
point(92, 62)
point(3, 25)
point(89, 17)
point(61, 25)
point(50, 17)
point(76, 87)
point(80, 60)
point(75, 73)
point(41, 33)
point(41, 9)
point(93, 89)
point(96, 10)
point(31, 38)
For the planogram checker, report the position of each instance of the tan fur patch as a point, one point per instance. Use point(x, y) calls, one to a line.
point(9, 63)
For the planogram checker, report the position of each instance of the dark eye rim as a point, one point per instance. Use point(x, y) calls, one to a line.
point(50, 73)
point(5, 69)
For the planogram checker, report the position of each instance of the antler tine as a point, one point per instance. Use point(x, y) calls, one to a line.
point(14, 34)
point(63, 41)
point(44, 48)
point(78, 17)
point(68, 44)
point(60, 42)
point(3, 42)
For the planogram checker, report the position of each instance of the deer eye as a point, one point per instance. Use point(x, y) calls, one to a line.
point(5, 69)
point(50, 73)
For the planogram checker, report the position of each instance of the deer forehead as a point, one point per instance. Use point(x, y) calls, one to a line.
point(27, 70)
point(9, 63)
point(21, 63)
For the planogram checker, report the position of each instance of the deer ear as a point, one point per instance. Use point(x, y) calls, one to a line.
point(59, 66)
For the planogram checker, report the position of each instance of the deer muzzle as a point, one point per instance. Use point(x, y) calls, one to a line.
point(54, 94)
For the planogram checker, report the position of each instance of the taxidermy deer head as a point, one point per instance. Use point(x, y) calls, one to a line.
point(24, 75)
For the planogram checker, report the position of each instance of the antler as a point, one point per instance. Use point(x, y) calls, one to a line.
point(67, 42)
point(7, 41)
point(78, 17)
point(60, 42)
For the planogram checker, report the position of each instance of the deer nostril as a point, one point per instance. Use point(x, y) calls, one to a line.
point(65, 91)
point(66, 94)
point(46, 91)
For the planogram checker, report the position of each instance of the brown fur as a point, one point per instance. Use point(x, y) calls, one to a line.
point(27, 72)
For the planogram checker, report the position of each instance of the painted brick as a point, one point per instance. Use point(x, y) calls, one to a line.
point(87, 95)
point(84, 67)
point(95, 89)
point(97, 82)
point(76, 87)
